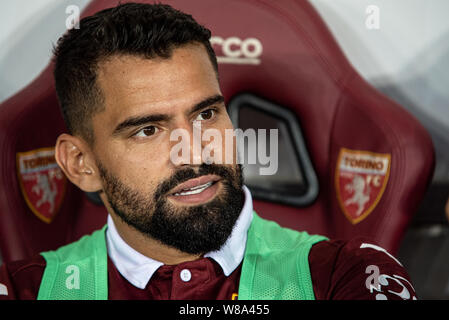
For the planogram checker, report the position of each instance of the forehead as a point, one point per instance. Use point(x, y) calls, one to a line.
point(133, 85)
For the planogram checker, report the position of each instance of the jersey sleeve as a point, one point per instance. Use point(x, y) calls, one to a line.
point(358, 269)
point(20, 280)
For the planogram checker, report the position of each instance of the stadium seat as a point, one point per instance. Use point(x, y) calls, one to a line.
point(365, 160)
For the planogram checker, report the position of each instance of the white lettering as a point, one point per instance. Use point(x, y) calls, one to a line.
point(263, 158)
point(236, 143)
point(73, 280)
point(73, 20)
point(250, 136)
point(372, 281)
point(232, 42)
point(213, 147)
point(3, 290)
point(197, 143)
point(372, 246)
point(237, 51)
point(372, 21)
point(183, 146)
point(192, 310)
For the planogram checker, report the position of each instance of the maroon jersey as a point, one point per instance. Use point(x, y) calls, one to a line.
point(354, 269)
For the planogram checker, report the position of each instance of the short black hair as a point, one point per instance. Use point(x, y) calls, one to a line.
point(146, 30)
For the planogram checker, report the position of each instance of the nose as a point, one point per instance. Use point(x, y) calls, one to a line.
point(187, 149)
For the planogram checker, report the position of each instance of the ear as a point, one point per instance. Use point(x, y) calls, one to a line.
point(76, 160)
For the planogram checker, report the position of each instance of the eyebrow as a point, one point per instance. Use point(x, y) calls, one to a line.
point(141, 120)
point(207, 102)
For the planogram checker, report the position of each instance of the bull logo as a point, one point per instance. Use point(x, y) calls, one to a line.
point(360, 196)
point(360, 180)
point(42, 182)
point(46, 187)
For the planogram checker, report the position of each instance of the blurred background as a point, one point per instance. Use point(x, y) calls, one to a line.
point(406, 56)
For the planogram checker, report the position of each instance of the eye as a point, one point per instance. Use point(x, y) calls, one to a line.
point(147, 131)
point(206, 115)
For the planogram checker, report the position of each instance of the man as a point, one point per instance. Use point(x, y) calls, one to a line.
point(178, 227)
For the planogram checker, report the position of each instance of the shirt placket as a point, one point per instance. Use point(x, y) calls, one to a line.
point(189, 279)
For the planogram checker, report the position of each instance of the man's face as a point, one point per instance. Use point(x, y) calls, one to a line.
point(192, 207)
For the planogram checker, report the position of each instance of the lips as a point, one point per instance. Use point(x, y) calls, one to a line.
point(196, 185)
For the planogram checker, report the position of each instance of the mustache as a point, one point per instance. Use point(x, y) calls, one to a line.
point(184, 174)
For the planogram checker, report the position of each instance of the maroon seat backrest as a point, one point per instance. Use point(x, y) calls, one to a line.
point(301, 67)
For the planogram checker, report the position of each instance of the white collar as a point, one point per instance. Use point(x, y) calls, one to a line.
point(138, 269)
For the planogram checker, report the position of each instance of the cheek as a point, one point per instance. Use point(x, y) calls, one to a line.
point(150, 168)
point(142, 167)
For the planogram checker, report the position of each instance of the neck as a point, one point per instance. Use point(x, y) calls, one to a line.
point(149, 247)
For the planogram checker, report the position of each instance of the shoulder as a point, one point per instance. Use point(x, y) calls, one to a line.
point(21, 279)
point(357, 269)
point(277, 238)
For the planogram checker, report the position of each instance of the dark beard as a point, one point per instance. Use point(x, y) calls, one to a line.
point(192, 229)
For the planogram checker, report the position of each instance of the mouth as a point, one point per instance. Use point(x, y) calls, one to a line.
point(196, 191)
